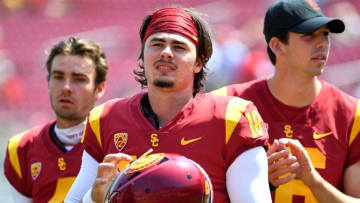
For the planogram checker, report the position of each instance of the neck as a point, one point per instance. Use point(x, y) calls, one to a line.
point(61, 123)
point(294, 91)
point(166, 105)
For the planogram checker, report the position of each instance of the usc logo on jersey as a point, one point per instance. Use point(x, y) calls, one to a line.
point(35, 170)
point(120, 140)
point(288, 132)
point(154, 140)
point(61, 164)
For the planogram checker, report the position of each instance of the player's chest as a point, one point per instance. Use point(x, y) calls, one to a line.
point(173, 139)
point(324, 143)
point(45, 168)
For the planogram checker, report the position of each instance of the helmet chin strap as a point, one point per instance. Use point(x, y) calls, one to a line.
point(70, 136)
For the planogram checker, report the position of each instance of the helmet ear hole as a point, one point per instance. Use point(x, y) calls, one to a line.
point(164, 160)
point(160, 178)
point(134, 175)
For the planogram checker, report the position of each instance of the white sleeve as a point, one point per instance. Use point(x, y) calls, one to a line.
point(18, 197)
point(247, 177)
point(84, 179)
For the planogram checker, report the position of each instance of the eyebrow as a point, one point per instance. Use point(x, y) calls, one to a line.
point(157, 39)
point(62, 73)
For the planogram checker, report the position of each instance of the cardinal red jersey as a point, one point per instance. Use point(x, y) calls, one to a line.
point(328, 129)
point(210, 130)
point(37, 168)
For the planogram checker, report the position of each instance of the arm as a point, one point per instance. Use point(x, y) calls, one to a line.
point(84, 180)
point(322, 190)
point(352, 180)
point(18, 197)
point(247, 175)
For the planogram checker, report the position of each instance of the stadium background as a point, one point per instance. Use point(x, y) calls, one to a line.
point(30, 27)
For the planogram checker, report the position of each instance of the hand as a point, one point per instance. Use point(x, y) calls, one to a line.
point(280, 163)
point(107, 171)
point(306, 171)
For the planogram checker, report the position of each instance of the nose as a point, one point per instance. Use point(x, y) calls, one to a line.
point(323, 42)
point(67, 87)
point(166, 53)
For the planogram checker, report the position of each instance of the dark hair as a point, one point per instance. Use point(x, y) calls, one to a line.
point(84, 48)
point(284, 38)
point(203, 51)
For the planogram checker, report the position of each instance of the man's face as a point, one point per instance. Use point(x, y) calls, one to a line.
point(72, 87)
point(308, 53)
point(170, 62)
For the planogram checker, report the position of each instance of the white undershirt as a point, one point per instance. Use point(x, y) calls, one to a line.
point(245, 177)
point(70, 136)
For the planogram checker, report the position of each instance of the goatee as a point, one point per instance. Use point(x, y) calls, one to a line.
point(163, 83)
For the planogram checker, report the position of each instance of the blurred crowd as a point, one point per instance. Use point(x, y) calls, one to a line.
point(30, 27)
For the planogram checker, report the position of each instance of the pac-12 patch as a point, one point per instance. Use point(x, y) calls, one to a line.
point(35, 170)
point(120, 140)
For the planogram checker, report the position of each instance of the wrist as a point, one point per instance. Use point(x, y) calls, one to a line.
point(315, 180)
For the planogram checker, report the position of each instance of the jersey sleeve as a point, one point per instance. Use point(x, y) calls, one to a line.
point(354, 139)
point(91, 137)
point(15, 166)
point(245, 129)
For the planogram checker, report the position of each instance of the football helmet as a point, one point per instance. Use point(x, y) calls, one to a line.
point(161, 178)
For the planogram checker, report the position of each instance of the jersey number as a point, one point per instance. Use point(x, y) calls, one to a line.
point(296, 187)
point(255, 123)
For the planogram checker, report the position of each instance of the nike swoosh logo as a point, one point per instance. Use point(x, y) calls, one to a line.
point(318, 136)
point(186, 142)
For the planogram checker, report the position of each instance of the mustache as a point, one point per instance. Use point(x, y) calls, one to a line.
point(165, 62)
point(65, 96)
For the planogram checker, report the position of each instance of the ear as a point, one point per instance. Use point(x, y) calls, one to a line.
point(276, 46)
point(198, 66)
point(141, 62)
point(100, 90)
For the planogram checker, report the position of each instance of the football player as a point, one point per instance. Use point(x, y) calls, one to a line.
point(299, 106)
point(41, 163)
point(225, 136)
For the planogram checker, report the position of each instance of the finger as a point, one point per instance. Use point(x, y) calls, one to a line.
point(283, 180)
point(278, 155)
point(117, 158)
point(278, 173)
point(282, 163)
point(106, 170)
point(273, 148)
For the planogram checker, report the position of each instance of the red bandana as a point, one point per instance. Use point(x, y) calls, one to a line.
point(173, 20)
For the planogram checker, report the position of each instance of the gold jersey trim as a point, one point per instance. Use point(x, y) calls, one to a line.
point(222, 92)
point(356, 125)
point(94, 120)
point(13, 153)
point(234, 111)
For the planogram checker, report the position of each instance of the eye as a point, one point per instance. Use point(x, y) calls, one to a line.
point(57, 77)
point(156, 44)
point(80, 79)
point(177, 47)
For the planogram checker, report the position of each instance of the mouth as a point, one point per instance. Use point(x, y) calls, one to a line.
point(319, 58)
point(65, 101)
point(165, 67)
